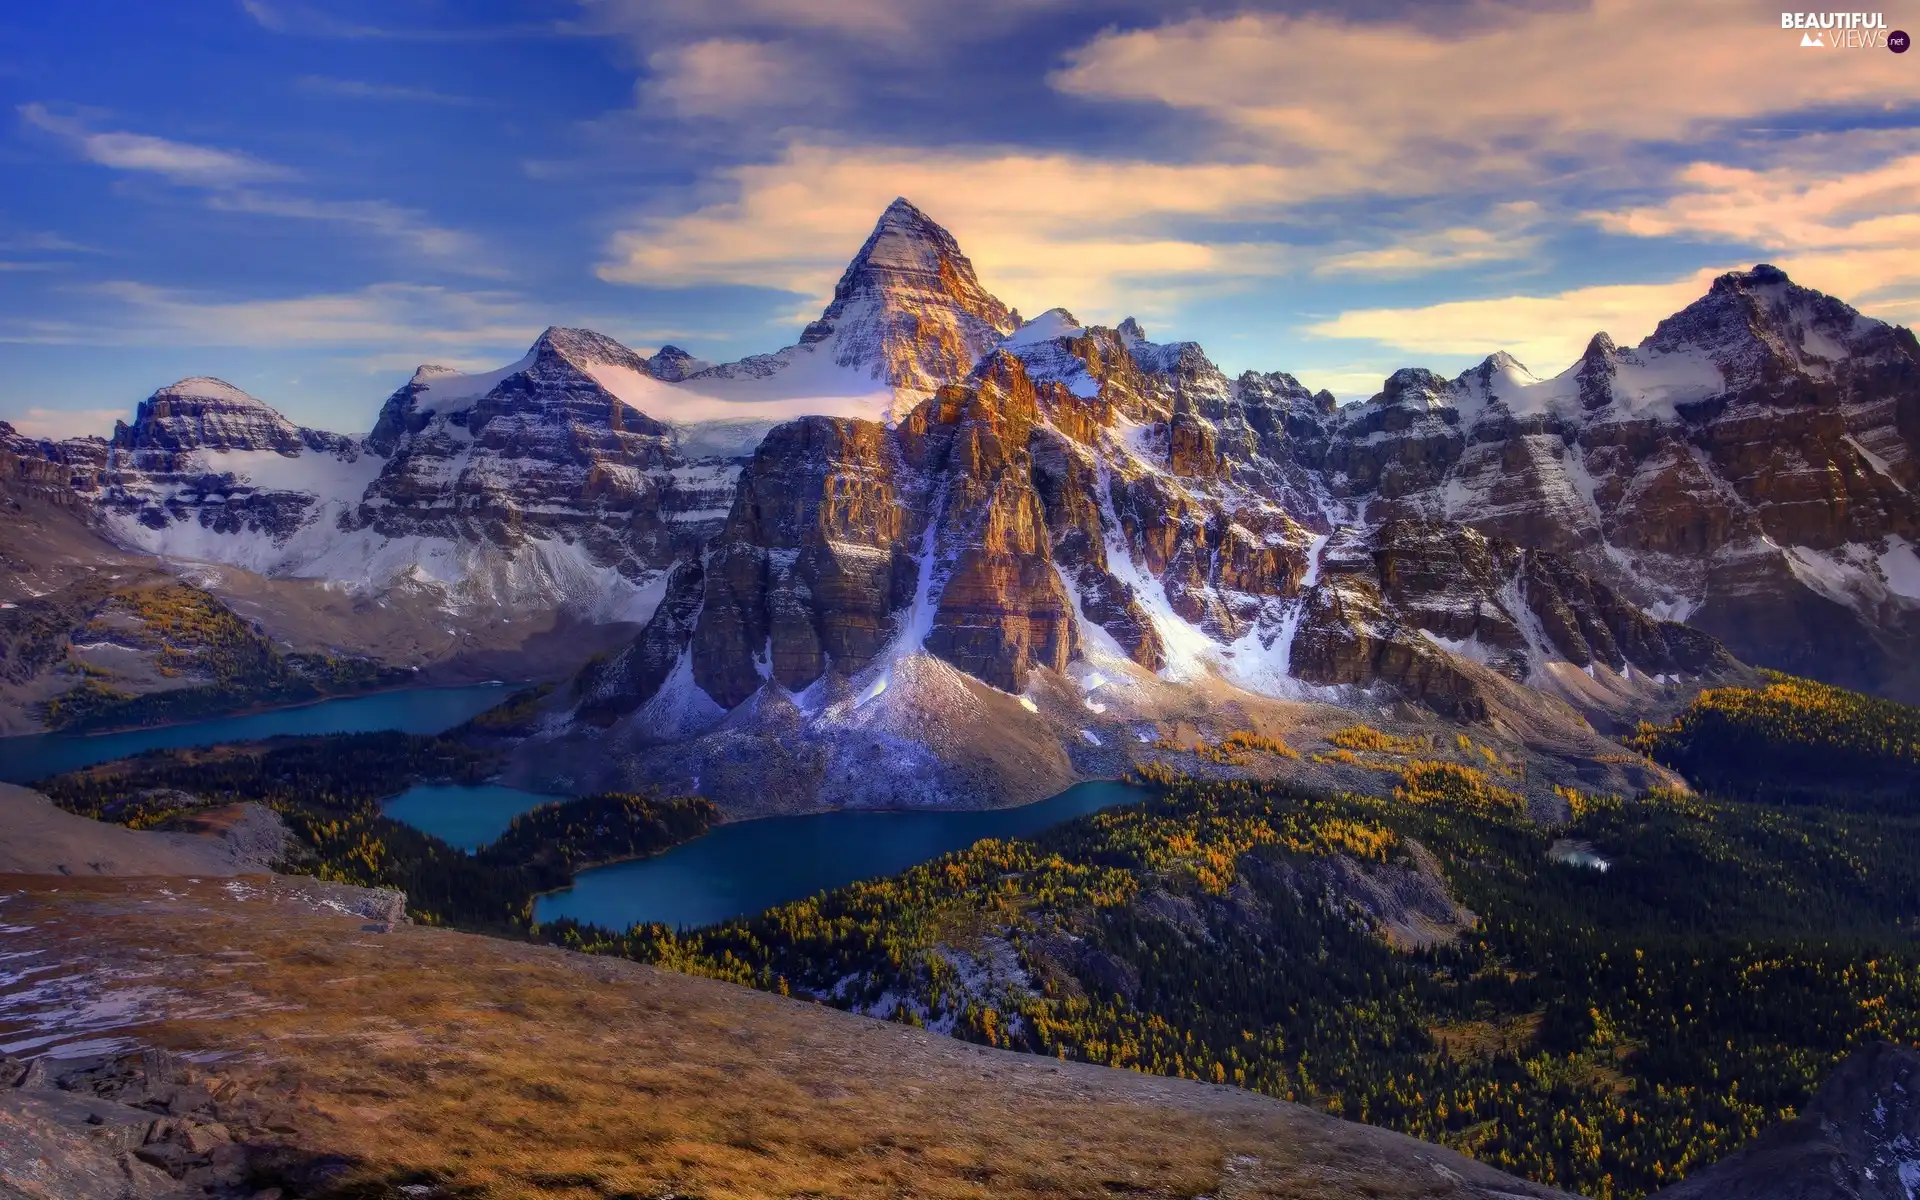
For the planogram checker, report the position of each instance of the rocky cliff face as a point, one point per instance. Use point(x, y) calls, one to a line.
point(1747, 468)
point(65, 474)
point(547, 469)
point(1092, 494)
point(534, 486)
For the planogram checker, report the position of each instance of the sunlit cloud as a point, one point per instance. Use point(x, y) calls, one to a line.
point(1545, 332)
point(1506, 237)
point(1507, 92)
point(1042, 229)
point(1858, 229)
point(1549, 332)
point(724, 76)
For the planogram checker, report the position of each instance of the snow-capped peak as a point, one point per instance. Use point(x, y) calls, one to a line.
point(206, 387)
point(1049, 325)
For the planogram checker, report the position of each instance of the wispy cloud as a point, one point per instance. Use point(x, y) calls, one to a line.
point(731, 76)
point(1548, 332)
point(403, 225)
point(180, 162)
point(241, 183)
point(360, 89)
point(385, 325)
point(1507, 235)
point(386, 314)
point(1861, 227)
point(311, 20)
point(1545, 332)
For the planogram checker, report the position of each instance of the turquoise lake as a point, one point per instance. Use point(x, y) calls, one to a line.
point(467, 817)
point(420, 710)
point(753, 865)
point(747, 866)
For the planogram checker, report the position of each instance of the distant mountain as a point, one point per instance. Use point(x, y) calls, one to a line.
point(924, 482)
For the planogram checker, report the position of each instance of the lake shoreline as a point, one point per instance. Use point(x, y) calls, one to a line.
point(255, 710)
point(425, 711)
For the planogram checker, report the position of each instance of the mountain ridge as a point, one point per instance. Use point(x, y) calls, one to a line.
point(1003, 491)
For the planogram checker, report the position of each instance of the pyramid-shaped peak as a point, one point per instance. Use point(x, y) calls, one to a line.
point(906, 238)
point(909, 310)
point(584, 345)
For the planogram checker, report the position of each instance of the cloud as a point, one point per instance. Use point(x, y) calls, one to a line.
point(43, 242)
point(398, 315)
point(724, 76)
point(1042, 229)
point(233, 183)
point(375, 216)
point(358, 89)
point(308, 20)
point(1545, 332)
point(385, 326)
point(1857, 230)
point(180, 162)
point(60, 423)
point(1506, 92)
point(1507, 237)
point(1549, 332)
point(874, 22)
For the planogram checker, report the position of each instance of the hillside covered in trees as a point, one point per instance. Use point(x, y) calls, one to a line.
point(330, 789)
point(1429, 960)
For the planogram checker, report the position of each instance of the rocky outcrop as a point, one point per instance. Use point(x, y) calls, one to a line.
point(65, 474)
point(908, 313)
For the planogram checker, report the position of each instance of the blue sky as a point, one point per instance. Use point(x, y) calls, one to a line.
point(309, 197)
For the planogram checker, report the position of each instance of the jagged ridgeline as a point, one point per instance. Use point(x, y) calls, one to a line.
point(929, 517)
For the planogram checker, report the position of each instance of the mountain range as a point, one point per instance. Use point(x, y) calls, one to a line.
point(930, 518)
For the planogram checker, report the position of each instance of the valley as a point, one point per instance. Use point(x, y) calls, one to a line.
point(1188, 785)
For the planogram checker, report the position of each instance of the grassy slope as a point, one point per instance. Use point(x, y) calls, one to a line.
point(506, 1070)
